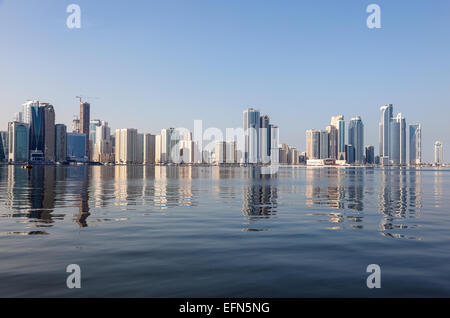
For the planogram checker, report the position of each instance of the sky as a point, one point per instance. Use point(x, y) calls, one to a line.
point(158, 64)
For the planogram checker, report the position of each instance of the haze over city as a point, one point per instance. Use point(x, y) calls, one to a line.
point(154, 65)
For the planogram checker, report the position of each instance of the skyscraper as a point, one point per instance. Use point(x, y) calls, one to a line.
point(356, 138)
point(324, 144)
point(385, 127)
point(339, 123)
point(170, 147)
point(60, 143)
point(350, 153)
point(264, 138)
point(397, 140)
point(332, 141)
point(76, 147)
point(438, 153)
point(85, 118)
point(18, 142)
point(415, 144)
point(275, 145)
point(5, 141)
point(27, 113)
point(49, 132)
point(370, 154)
point(126, 146)
point(103, 145)
point(37, 132)
point(149, 149)
point(251, 125)
point(313, 144)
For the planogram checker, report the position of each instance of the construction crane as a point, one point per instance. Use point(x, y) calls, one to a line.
point(81, 97)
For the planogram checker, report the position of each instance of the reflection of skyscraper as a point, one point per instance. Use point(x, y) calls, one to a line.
point(438, 153)
point(251, 125)
point(415, 144)
point(259, 200)
point(356, 138)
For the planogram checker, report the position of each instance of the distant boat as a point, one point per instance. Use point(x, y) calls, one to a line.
point(27, 166)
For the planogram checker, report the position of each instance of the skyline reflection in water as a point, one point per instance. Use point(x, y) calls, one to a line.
point(223, 231)
point(340, 196)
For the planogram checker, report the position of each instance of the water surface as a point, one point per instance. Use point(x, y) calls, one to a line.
point(224, 232)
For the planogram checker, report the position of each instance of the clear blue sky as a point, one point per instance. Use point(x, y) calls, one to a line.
point(156, 64)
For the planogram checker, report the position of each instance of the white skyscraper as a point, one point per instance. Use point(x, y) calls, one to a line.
point(415, 144)
point(438, 153)
point(126, 146)
point(251, 125)
point(385, 128)
point(397, 141)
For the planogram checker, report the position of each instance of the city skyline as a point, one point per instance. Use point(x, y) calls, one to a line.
point(228, 66)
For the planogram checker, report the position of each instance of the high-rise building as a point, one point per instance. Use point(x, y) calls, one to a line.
point(140, 149)
point(283, 154)
point(60, 143)
point(158, 151)
point(220, 152)
point(350, 154)
point(170, 145)
point(93, 124)
point(370, 154)
point(275, 145)
point(251, 125)
point(103, 144)
point(27, 112)
point(324, 144)
point(4, 152)
point(339, 123)
point(76, 125)
point(187, 149)
point(126, 146)
point(438, 153)
point(415, 144)
point(293, 156)
point(18, 117)
point(264, 138)
point(397, 141)
point(356, 138)
point(149, 149)
point(49, 132)
point(37, 131)
point(385, 127)
point(18, 137)
point(76, 147)
point(313, 144)
point(85, 119)
point(332, 141)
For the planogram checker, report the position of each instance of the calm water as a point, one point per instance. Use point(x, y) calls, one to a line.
point(209, 232)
